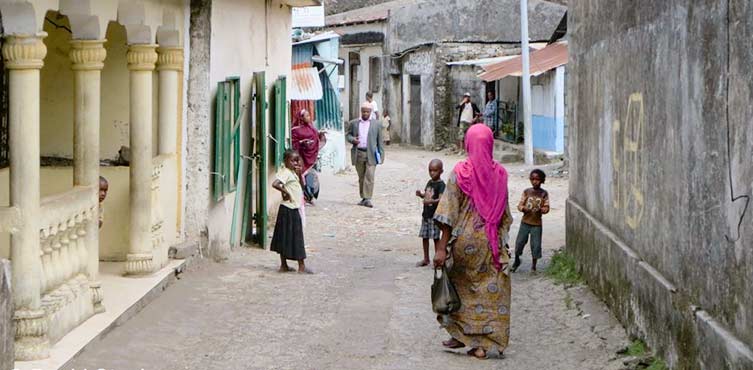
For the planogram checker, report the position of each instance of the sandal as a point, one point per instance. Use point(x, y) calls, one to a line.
point(453, 343)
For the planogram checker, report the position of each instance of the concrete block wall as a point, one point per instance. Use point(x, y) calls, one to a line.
point(660, 214)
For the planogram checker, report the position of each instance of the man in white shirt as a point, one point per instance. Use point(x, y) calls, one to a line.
point(374, 107)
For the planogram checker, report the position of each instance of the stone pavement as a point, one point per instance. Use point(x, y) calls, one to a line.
point(366, 307)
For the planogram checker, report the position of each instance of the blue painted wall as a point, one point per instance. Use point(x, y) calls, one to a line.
point(548, 134)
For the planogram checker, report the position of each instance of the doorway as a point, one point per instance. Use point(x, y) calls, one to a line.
point(353, 83)
point(415, 110)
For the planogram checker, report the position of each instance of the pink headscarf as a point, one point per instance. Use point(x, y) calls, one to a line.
point(485, 181)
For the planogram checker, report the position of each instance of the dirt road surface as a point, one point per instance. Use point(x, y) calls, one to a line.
point(367, 306)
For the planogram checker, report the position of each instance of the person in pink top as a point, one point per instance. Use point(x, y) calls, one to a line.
point(365, 136)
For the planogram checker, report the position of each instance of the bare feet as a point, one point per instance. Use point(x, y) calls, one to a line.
point(422, 263)
point(284, 269)
point(306, 271)
point(453, 343)
point(477, 353)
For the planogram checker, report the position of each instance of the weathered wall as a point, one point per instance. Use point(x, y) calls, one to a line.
point(365, 52)
point(421, 64)
point(198, 124)
point(7, 330)
point(228, 38)
point(660, 184)
point(339, 6)
point(470, 21)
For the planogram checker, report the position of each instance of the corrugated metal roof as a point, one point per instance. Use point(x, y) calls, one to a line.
point(542, 60)
point(302, 56)
point(480, 62)
point(305, 84)
point(328, 114)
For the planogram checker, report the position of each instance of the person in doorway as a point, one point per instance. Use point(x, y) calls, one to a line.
point(468, 111)
point(104, 186)
point(287, 239)
point(307, 141)
point(365, 134)
point(374, 107)
point(534, 203)
point(474, 217)
point(490, 112)
point(386, 126)
point(431, 194)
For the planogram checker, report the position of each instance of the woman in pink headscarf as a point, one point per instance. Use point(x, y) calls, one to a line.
point(307, 140)
point(474, 217)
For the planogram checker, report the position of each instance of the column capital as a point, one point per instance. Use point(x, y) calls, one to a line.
point(87, 55)
point(170, 58)
point(24, 51)
point(141, 57)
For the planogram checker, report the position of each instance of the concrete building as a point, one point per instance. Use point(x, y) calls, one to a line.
point(415, 40)
point(126, 90)
point(659, 214)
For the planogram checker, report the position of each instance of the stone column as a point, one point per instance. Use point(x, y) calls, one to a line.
point(141, 60)
point(169, 65)
point(24, 58)
point(88, 58)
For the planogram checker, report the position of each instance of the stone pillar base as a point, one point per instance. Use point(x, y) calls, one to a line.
point(139, 264)
point(97, 296)
point(31, 335)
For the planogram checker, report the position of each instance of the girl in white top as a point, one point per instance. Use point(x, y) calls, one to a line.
point(287, 239)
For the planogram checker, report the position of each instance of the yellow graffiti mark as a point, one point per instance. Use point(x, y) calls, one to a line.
point(627, 162)
point(615, 166)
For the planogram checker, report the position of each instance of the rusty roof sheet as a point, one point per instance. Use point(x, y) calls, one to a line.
point(550, 57)
point(305, 84)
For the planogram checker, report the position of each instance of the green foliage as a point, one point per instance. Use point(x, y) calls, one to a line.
point(637, 348)
point(563, 269)
point(657, 365)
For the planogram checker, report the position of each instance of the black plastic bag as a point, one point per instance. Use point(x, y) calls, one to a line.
point(444, 298)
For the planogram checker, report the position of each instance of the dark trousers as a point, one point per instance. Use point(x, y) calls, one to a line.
point(522, 240)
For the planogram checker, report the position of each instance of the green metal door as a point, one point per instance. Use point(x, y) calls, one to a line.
point(260, 103)
point(255, 204)
point(280, 118)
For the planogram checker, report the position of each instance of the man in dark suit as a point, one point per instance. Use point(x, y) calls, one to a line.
point(365, 135)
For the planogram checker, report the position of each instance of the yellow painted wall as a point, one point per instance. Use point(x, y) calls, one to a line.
point(113, 245)
point(56, 120)
point(244, 42)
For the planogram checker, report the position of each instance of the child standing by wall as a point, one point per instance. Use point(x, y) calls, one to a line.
point(287, 239)
point(534, 203)
point(431, 194)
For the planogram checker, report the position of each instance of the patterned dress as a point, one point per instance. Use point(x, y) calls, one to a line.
point(483, 320)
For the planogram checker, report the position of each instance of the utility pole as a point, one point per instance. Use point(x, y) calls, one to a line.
point(526, 76)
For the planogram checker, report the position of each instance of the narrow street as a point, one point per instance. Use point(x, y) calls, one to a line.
point(367, 306)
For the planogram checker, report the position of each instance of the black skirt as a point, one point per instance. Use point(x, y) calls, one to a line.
point(288, 235)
